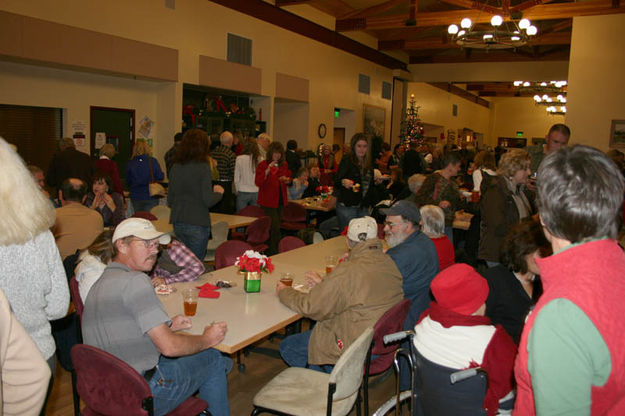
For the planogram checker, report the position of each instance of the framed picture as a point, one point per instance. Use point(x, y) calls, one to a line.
point(617, 133)
point(374, 118)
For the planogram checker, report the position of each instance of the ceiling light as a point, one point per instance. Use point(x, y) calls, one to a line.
point(462, 32)
point(488, 37)
point(515, 38)
point(537, 98)
point(526, 84)
point(517, 83)
point(496, 20)
point(466, 23)
point(543, 84)
point(524, 24)
point(452, 29)
point(531, 31)
point(563, 109)
point(545, 97)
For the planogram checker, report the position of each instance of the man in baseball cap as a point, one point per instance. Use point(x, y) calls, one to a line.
point(124, 317)
point(453, 332)
point(345, 302)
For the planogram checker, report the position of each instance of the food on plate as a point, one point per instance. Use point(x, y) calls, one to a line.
point(163, 289)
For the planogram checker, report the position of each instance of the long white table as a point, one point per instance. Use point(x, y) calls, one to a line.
point(253, 316)
point(234, 221)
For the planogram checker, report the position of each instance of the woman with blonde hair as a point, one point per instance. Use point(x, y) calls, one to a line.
point(504, 204)
point(92, 262)
point(140, 171)
point(106, 164)
point(31, 272)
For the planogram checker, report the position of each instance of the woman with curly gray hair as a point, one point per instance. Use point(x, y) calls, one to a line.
point(504, 204)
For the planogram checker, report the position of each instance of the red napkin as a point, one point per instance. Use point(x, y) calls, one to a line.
point(208, 290)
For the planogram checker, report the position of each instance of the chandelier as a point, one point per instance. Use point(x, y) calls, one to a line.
point(500, 34)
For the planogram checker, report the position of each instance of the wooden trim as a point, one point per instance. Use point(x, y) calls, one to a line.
point(289, 21)
point(494, 56)
point(452, 89)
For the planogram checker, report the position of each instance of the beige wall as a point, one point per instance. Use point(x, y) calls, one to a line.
point(490, 71)
point(196, 27)
point(596, 78)
point(512, 114)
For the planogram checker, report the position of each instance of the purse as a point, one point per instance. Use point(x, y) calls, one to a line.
point(155, 188)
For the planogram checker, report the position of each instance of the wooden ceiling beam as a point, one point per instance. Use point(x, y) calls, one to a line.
point(282, 3)
point(373, 10)
point(428, 19)
point(453, 89)
point(467, 4)
point(493, 56)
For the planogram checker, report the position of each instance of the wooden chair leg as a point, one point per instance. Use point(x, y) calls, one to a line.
point(75, 395)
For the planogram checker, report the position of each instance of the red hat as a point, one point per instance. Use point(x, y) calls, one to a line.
point(460, 288)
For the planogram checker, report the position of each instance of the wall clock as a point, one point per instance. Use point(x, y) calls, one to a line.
point(322, 130)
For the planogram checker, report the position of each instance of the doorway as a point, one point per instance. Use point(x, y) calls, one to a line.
point(339, 136)
point(115, 126)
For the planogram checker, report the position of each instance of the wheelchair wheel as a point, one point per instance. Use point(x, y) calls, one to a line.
point(388, 408)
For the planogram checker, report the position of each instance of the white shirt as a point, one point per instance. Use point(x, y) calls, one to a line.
point(244, 175)
point(477, 177)
point(87, 272)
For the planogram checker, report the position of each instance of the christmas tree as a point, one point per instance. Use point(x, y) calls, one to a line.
point(411, 126)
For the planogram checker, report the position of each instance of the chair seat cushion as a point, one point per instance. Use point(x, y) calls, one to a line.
point(301, 392)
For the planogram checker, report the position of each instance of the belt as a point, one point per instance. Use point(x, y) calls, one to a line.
point(148, 374)
point(224, 180)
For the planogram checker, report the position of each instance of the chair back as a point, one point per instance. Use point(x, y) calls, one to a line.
point(162, 212)
point(347, 373)
point(289, 243)
point(144, 214)
point(293, 212)
point(438, 396)
point(74, 293)
point(228, 252)
point(381, 233)
point(219, 233)
point(392, 321)
point(252, 211)
point(106, 384)
point(258, 232)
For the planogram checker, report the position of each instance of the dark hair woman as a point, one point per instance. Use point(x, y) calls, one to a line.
point(354, 180)
point(109, 204)
point(272, 176)
point(192, 193)
point(245, 175)
point(514, 285)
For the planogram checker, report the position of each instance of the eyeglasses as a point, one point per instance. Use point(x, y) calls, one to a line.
point(393, 224)
point(149, 244)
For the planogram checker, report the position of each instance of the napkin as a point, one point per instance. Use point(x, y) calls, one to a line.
point(208, 290)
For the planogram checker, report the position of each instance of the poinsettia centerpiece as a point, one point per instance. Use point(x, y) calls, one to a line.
point(254, 262)
point(324, 191)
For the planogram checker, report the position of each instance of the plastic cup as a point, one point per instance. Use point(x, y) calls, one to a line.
point(189, 299)
point(287, 279)
point(330, 263)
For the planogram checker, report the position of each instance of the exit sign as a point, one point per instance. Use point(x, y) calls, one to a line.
point(519, 134)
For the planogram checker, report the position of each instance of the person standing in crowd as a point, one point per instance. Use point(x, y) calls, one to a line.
point(412, 160)
point(263, 141)
point(124, 317)
point(327, 165)
point(514, 284)
point(140, 171)
point(272, 177)
point(484, 168)
point(433, 225)
point(353, 181)
point(440, 189)
point(504, 204)
point(226, 160)
point(40, 180)
point(170, 155)
point(192, 193)
point(396, 159)
point(106, 164)
point(571, 357)
point(414, 184)
point(31, 272)
point(556, 139)
point(237, 142)
point(108, 203)
point(385, 157)
point(292, 158)
point(76, 225)
point(68, 163)
point(245, 175)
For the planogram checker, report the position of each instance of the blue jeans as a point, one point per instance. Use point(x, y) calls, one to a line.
point(449, 232)
point(345, 214)
point(145, 205)
point(193, 236)
point(246, 198)
point(294, 351)
point(177, 379)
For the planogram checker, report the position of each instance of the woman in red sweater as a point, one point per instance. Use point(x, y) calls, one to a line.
point(272, 177)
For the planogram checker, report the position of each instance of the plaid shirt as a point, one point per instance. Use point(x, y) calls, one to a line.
point(183, 257)
point(226, 160)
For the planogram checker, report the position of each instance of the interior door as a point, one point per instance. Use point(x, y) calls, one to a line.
point(339, 136)
point(119, 127)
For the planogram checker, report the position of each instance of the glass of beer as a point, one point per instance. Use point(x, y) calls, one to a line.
point(330, 263)
point(287, 279)
point(189, 298)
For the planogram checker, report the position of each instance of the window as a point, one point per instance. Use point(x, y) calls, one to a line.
point(239, 49)
point(364, 84)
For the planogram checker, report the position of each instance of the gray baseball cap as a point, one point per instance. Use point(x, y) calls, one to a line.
point(406, 209)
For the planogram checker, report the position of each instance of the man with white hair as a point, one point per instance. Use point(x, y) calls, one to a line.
point(226, 161)
point(263, 141)
point(124, 317)
point(345, 302)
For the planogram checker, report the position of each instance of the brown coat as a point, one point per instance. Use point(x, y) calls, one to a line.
point(350, 299)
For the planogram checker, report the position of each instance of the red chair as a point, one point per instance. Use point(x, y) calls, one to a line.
point(257, 234)
point(146, 215)
point(392, 321)
point(78, 305)
point(109, 386)
point(74, 293)
point(290, 243)
point(252, 211)
point(227, 253)
point(381, 233)
point(293, 217)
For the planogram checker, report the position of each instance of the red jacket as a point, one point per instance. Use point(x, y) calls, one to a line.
point(270, 186)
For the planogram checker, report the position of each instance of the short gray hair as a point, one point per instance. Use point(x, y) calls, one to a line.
point(433, 219)
point(226, 138)
point(415, 182)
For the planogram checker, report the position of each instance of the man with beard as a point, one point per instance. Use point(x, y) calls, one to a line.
point(124, 317)
point(414, 254)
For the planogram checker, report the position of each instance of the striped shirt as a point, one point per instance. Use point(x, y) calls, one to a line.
point(226, 160)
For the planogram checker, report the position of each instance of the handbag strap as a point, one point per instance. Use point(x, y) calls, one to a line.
point(151, 173)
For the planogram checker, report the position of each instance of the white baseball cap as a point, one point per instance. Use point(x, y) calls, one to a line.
point(364, 225)
point(140, 228)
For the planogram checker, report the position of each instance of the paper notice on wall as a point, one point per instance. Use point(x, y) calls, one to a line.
point(145, 127)
point(100, 139)
point(79, 126)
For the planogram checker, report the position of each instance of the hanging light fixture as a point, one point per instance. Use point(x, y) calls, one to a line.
point(502, 34)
